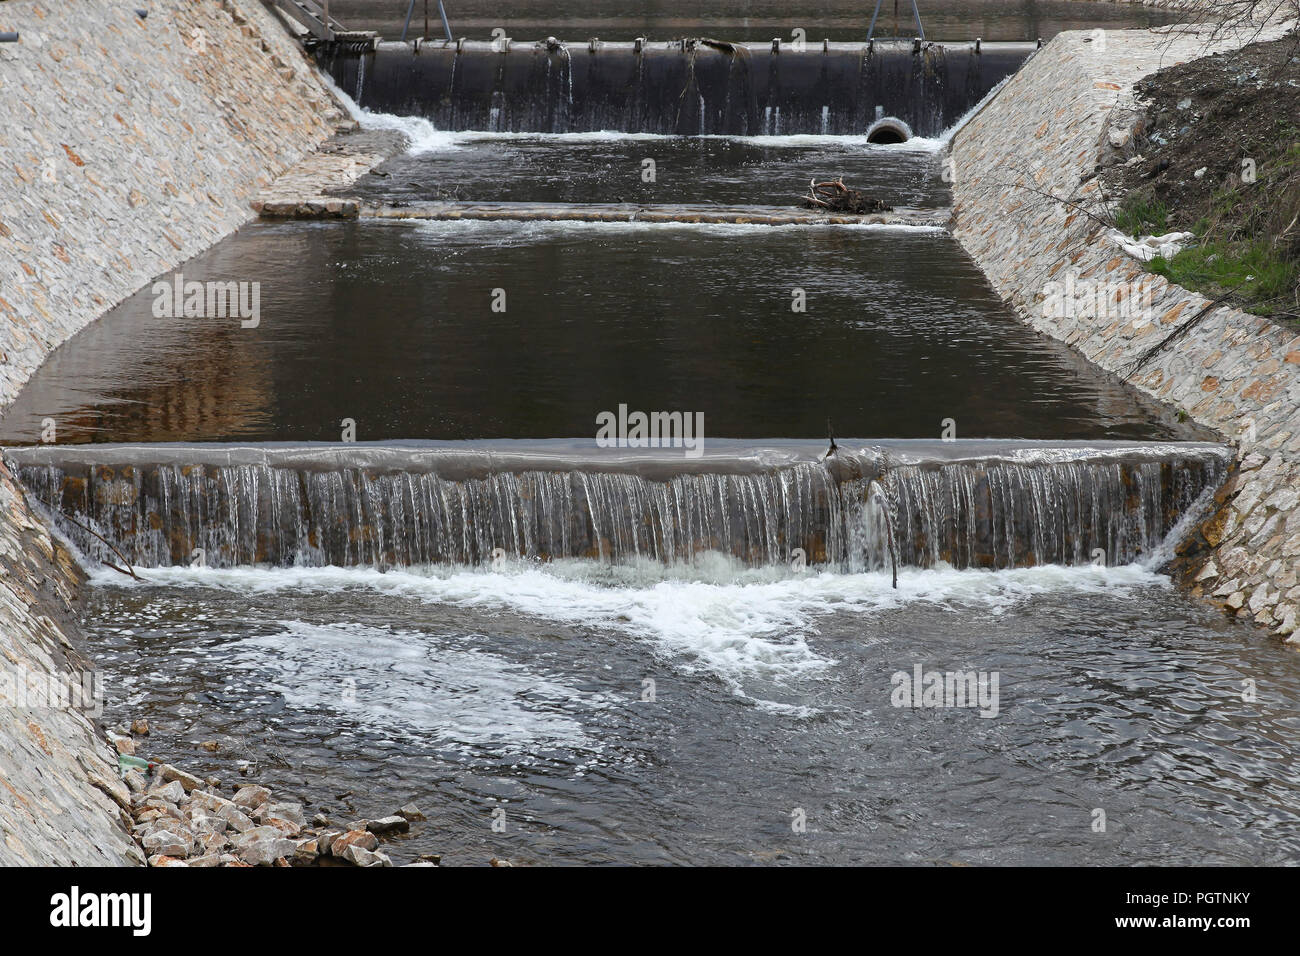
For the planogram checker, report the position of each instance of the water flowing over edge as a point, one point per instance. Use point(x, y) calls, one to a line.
point(389, 506)
point(423, 137)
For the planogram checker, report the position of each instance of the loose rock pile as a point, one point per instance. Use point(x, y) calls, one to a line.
point(180, 820)
point(179, 823)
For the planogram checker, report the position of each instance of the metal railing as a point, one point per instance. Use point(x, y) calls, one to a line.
point(442, 12)
point(312, 15)
point(920, 30)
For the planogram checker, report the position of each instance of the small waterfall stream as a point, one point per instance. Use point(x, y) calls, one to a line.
point(396, 509)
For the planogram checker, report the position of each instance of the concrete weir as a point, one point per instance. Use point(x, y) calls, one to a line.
point(328, 207)
point(967, 504)
point(889, 90)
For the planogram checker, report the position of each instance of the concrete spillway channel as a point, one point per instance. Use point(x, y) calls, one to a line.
point(968, 504)
point(887, 90)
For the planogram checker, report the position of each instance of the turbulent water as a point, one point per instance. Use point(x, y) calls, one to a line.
point(471, 691)
point(597, 167)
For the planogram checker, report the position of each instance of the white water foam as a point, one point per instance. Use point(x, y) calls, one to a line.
point(420, 134)
point(390, 681)
point(743, 626)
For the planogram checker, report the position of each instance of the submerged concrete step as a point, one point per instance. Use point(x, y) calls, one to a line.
point(700, 213)
point(633, 212)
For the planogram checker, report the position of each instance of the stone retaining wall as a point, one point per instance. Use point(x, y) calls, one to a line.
point(61, 801)
point(126, 147)
point(1046, 133)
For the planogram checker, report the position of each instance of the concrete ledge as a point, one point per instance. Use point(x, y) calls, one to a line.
point(630, 212)
point(315, 207)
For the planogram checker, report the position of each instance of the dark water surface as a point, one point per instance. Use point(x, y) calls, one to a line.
point(391, 325)
point(606, 168)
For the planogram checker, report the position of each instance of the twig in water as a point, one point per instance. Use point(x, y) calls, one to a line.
point(879, 490)
point(1099, 220)
point(127, 570)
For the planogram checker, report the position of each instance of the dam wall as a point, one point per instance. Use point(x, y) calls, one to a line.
point(690, 87)
point(1026, 205)
point(128, 145)
point(963, 504)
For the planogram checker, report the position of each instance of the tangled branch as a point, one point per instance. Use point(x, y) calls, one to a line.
point(837, 197)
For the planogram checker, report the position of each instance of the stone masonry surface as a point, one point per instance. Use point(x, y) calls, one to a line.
point(1067, 110)
point(61, 801)
point(127, 146)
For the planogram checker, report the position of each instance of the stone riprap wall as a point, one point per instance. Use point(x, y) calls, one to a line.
point(61, 799)
point(126, 147)
point(1068, 110)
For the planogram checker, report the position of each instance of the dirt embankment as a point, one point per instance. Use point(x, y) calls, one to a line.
point(1219, 155)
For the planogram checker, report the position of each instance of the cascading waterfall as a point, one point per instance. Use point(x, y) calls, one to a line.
point(1014, 515)
point(854, 513)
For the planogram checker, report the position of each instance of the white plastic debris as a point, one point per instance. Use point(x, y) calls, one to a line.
point(1147, 248)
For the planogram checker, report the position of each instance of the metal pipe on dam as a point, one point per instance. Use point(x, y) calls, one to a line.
point(686, 87)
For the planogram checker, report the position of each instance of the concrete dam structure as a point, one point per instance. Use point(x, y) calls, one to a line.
point(887, 90)
point(967, 504)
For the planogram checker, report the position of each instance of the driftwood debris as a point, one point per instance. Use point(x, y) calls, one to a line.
point(834, 196)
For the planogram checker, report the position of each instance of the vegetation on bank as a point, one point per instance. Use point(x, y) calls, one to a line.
point(1221, 159)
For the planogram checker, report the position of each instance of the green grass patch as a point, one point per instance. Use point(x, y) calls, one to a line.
point(1252, 271)
point(1141, 216)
